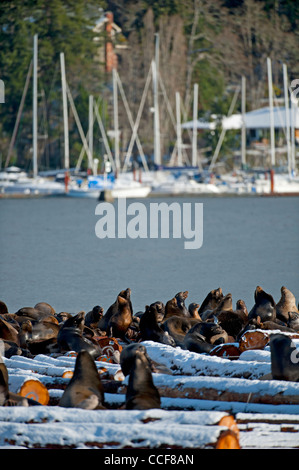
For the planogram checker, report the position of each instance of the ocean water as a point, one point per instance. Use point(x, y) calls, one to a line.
point(49, 252)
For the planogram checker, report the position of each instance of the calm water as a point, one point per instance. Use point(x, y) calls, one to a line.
point(49, 252)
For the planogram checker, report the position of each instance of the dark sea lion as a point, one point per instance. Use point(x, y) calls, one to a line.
point(128, 354)
point(160, 309)
point(70, 337)
point(12, 349)
point(177, 327)
point(286, 304)
point(293, 321)
point(284, 358)
point(193, 310)
point(231, 322)
point(85, 389)
point(202, 337)
point(3, 307)
point(150, 329)
point(211, 300)
point(8, 398)
point(257, 324)
point(181, 297)
point(93, 317)
point(120, 321)
point(63, 316)
point(264, 306)
point(141, 392)
point(114, 308)
point(45, 308)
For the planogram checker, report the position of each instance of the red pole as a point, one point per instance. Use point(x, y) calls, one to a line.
point(272, 180)
point(66, 181)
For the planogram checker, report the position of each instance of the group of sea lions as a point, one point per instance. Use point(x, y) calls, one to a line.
point(197, 327)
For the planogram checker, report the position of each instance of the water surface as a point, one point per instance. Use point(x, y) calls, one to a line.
point(49, 252)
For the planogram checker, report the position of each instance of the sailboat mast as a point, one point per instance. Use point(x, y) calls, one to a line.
point(65, 113)
point(34, 130)
point(272, 132)
point(155, 63)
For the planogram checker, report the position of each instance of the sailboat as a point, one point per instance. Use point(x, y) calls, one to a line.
point(13, 181)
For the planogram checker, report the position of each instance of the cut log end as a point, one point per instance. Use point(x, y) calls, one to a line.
point(228, 440)
point(230, 423)
point(35, 390)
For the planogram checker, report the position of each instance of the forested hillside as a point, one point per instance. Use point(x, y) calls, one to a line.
point(212, 43)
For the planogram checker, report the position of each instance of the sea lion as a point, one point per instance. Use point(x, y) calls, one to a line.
point(241, 309)
point(63, 316)
point(8, 398)
point(211, 300)
point(264, 306)
point(3, 307)
point(93, 317)
point(150, 330)
point(120, 321)
point(160, 310)
point(202, 337)
point(70, 337)
point(114, 308)
point(224, 305)
point(286, 304)
point(293, 321)
point(176, 306)
point(177, 327)
point(42, 336)
point(85, 389)
point(231, 322)
point(284, 358)
point(45, 308)
point(257, 324)
point(193, 311)
point(141, 392)
point(8, 332)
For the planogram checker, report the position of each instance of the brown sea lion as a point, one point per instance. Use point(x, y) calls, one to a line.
point(114, 308)
point(176, 306)
point(224, 304)
point(85, 389)
point(42, 337)
point(211, 300)
point(150, 329)
point(286, 304)
point(284, 358)
point(3, 307)
point(120, 321)
point(141, 392)
point(241, 309)
point(193, 311)
point(8, 332)
point(264, 306)
point(70, 337)
point(45, 308)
